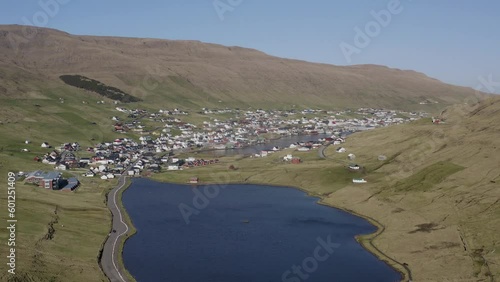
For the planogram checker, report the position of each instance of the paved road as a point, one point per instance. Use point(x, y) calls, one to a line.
point(110, 254)
point(321, 150)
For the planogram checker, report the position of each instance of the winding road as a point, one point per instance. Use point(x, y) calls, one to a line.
point(111, 251)
point(321, 151)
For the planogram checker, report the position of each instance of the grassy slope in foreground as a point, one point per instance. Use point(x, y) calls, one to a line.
point(437, 196)
point(71, 255)
point(80, 222)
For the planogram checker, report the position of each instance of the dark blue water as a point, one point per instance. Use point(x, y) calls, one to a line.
point(283, 142)
point(243, 233)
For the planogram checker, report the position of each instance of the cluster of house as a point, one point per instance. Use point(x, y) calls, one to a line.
point(303, 146)
point(50, 180)
point(123, 155)
point(179, 164)
point(170, 134)
point(247, 127)
point(291, 159)
point(62, 158)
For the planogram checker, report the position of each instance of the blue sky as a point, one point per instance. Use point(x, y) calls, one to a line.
point(456, 41)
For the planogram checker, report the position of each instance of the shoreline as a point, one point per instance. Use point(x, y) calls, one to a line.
point(365, 240)
point(267, 141)
point(115, 265)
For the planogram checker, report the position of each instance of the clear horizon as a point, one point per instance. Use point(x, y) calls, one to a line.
point(451, 41)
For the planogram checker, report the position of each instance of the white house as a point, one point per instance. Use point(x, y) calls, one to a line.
point(341, 150)
point(61, 167)
point(354, 167)
point(288, 158)
point(303, 149)
point(173, 167)
point(45, 145)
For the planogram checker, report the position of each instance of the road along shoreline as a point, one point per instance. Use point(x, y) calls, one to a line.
point(111, 261)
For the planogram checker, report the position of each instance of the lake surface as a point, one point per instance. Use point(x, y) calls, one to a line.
point(283, 142)
point(243, 233)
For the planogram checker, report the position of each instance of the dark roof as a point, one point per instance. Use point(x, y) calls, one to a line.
point(72, 184)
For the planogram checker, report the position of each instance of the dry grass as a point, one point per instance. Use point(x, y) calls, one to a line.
point(436, 194)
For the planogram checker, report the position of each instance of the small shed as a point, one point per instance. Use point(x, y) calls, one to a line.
point(354, 167)
point(194, 180)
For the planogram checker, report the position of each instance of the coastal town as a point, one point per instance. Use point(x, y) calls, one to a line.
point(154, 140)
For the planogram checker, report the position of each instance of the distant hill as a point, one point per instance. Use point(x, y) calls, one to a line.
point(193, 74)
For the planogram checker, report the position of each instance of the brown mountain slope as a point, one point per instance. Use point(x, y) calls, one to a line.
point(191, 73)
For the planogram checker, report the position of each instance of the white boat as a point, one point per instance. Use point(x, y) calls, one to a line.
point(358, 180)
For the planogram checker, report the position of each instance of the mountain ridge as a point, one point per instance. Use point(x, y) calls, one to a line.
point(220, 74)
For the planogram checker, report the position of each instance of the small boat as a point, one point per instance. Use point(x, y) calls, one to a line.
point(358, 180)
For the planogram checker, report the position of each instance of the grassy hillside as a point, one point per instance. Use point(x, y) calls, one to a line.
point(437, 194)
point(195, 74)
point(80, 220)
